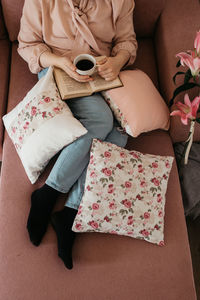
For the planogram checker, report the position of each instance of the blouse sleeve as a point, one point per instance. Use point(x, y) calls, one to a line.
point(31, 44)
point(125, 37)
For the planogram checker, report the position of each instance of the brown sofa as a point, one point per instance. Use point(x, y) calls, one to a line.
point(106, 267)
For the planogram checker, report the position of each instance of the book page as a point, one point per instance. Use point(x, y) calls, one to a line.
point(100, 84)
point(69, 87)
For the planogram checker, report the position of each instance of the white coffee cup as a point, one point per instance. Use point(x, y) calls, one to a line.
point(85, 64)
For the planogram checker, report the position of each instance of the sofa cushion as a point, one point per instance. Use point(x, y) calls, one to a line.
point(149, 10)
point(145, 59)
point(105, 266)
point(41, 125)
point(12, 11)
point(124, 193)
point(137, 105)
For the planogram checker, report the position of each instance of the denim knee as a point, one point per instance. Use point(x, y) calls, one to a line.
point(103, 124)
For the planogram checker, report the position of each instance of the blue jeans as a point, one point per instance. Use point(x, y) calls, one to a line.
point(69, 172)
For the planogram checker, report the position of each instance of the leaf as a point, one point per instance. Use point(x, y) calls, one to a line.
point(111, 178)
point(133, 160)
point(178, 73)
point(178, 64)
point(184, 87)
point(188, 76)
point(198, 120)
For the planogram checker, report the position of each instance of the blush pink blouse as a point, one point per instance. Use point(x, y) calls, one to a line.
point(97, 27)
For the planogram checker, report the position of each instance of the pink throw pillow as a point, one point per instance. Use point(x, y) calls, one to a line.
point(137, 105)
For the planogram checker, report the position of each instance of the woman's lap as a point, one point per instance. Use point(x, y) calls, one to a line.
point(94, 113)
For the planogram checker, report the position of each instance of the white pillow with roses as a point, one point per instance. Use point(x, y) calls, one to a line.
point(124, 193)
point(41, 125)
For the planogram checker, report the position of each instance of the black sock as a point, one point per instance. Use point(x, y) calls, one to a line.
point(42, 203)
point(62, 222)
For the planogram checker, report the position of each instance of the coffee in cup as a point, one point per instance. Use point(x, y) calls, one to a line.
point(85, 64)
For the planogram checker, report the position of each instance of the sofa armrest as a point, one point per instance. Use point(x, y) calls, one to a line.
point(5, 49)
point(3, 31)
point(4, 84)
point(175, 33)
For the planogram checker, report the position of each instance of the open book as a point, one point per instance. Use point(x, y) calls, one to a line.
point(70, 88)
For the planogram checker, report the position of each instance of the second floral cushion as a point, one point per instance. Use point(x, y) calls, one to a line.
point(124, 193)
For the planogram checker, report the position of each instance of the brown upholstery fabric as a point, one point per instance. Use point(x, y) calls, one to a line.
point(145, 59)
point(21, 79)
point(12, 11)
point(170, 40)
point(179, 132)
point(3, 33)
point(4, 73)
point(150, 12)
point(149, 9)
point(105, 266)
point(4, 83)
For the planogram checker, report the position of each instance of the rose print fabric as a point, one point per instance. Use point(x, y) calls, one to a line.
point(41, 125)
point(40, 109)
point(124, 193)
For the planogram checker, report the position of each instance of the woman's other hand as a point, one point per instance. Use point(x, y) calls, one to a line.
point(109, 67)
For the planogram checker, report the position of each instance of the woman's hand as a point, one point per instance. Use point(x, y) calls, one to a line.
point(66, 65)
point(109, 67)
point(48, 59)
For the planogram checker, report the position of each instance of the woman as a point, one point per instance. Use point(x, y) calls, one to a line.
point(53, 33)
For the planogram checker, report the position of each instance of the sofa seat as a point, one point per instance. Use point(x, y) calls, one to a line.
point(102, 262)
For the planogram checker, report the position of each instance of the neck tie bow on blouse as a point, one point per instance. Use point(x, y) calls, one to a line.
point(83, 35)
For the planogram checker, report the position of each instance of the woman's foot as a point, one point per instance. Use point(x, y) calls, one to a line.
point(42, 203)
point(62, 222)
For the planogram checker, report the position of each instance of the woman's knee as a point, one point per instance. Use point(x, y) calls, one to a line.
point(103, 123)
point(95, 114)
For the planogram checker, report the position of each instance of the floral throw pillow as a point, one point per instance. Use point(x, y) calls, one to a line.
point(124, 193)
point(41, 125)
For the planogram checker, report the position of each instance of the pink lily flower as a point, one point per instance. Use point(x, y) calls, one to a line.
point(197, 43)
point(190, 60)
point(187, 110)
